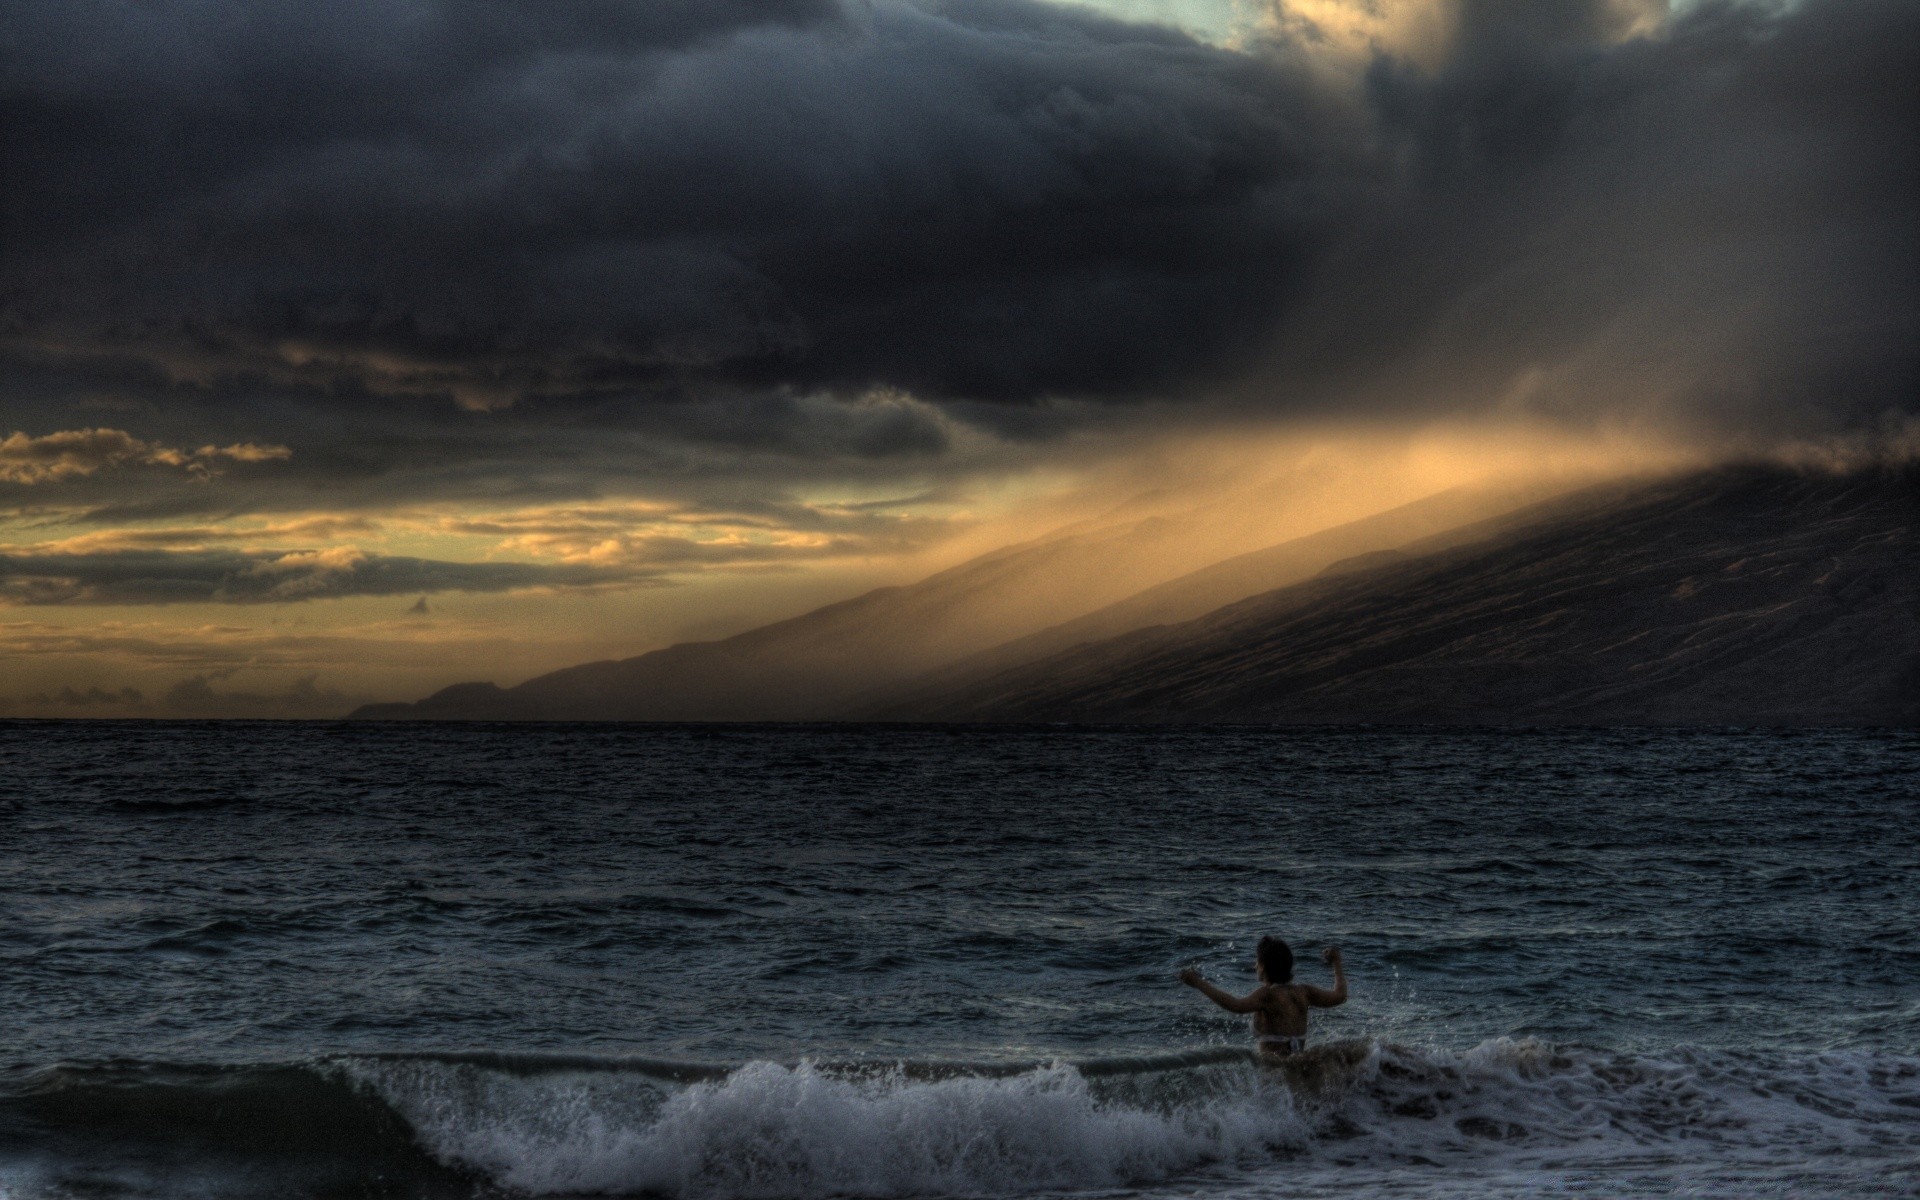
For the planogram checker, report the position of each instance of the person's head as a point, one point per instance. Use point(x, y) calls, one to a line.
point(1274, 960)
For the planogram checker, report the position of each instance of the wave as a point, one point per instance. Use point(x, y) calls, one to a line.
point(770, 1130)
point(466, 1124)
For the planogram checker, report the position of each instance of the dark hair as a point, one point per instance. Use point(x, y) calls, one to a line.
point(1275, 959)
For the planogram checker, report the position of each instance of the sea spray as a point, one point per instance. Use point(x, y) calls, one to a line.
point(771, 1130)
point(1486, 1120)
point(813, 1130)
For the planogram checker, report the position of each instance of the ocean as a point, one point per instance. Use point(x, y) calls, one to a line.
point(762, 962)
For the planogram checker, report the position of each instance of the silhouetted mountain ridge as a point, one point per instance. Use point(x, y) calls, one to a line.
point(818, 664)
point(1442, 519)
point(1740, 596)
point(1743, 595)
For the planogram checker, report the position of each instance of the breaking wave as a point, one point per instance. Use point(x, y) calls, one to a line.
point(768, 1130)
point(465, 1124)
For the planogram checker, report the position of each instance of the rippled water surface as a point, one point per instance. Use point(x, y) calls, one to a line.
point(320, 959)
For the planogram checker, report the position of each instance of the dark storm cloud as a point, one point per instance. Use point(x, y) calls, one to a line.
point(1714, 222)
point(268, 577)
point(977, 202)
point(996, 200)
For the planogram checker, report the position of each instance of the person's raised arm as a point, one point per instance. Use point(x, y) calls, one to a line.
point(1337, 995)
point(1227, 1000)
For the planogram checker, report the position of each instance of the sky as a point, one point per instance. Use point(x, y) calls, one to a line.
point(350, 350)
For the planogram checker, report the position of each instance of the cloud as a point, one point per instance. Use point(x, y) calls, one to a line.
point(991, 200)
point(1429, 32)
point(374, 458)
point(707, 244)
point(1701, 222)
point(63, 455)
point(669, 535)
point(221, 576)
point(608, 544)
point(197, 536)
point(158, 644)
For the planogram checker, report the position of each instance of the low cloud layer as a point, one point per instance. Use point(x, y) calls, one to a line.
point(270, 577)
point(627, 543)
point(70, 453)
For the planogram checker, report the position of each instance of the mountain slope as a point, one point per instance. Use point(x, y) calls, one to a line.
point(1738, 596)
point(1433, 521)
point(813, 665)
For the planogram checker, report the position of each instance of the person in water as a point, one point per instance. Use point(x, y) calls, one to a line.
point(1279, 1005)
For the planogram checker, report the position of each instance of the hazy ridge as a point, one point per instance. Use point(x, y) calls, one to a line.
point(818, 663)
point(1741, 595)
point(844, 656)
point(1442, 519)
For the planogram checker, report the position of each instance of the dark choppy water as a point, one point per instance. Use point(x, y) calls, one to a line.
point(364, 960)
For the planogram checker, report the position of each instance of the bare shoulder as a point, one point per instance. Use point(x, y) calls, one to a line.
point(1280, 995)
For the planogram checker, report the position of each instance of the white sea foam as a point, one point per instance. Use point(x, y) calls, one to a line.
point(768, 1130)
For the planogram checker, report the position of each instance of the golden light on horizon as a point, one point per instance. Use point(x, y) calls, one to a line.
point(675, 570)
